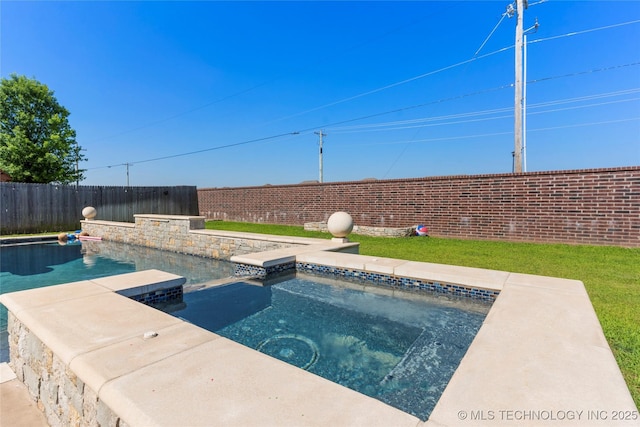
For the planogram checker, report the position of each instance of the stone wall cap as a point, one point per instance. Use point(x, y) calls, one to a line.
point(160, 216)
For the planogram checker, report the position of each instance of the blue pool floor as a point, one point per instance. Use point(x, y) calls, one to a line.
point(400, 351)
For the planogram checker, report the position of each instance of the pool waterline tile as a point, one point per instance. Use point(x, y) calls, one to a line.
point(410, 284)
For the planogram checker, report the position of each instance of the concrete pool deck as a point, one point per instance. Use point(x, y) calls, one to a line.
point(540, 358)
point(17, 409)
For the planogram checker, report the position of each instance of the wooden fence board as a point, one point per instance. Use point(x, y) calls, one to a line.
point(35, 208)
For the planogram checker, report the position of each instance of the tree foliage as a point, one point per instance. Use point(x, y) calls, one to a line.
point(37, 144)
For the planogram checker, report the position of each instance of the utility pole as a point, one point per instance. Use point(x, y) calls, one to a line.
point(320, 134)
point(520, 109)
point(127, 165)
point(77, 165)
point(517, 151)
point(524, 106)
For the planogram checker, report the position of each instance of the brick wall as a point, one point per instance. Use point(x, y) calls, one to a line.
point(592, 206)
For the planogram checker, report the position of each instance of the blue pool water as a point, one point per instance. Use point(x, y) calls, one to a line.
point(401, 351)
point(37, 265)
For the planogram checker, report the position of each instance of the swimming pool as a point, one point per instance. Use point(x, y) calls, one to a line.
point(402, 351)
point(28, 266)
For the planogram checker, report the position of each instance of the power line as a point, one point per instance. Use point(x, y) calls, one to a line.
point(259, 85)
point(605, 122)
point(220, 147)
point(345, 129)
point(484, 135)
point(579, 73)
point(492, 118)
point(491, 33)
point(505, 14)
point(426, 140)
point(166, 119)
point(484, 91)
point(475, 57)
point(398, 110)
point(589, 97)
point(575, 33)
point(430, 73)
point(433, 72)
point(389, 86)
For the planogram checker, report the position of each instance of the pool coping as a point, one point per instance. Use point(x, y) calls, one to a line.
point(540, 353)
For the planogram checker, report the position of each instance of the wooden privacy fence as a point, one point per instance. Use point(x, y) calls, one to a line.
point(35, 208)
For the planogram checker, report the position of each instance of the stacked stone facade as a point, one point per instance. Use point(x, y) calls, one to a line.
point(63, 398)
point(183, 234)
point(364, 230)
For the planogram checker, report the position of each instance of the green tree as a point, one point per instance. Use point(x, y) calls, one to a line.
point(37, 144)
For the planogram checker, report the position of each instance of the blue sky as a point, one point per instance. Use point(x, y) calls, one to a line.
point(245, 86)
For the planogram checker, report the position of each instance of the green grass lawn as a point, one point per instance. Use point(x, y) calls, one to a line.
point(610, 274)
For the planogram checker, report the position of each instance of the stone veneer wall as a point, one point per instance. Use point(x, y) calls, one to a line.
point(591, 206)
point(184, 234)
point(365, 230)
point(145, 258)
point(63, 398)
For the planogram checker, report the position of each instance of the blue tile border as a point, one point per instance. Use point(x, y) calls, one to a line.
point(397, 282)
point(160, 296)
point(246, 270)
point(175, 294)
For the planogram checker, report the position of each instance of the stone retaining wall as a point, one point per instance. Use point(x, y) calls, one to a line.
point(183, 234)
point(365, 230)
point(61, 396)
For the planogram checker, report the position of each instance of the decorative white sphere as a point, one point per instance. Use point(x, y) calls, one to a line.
point(340, 224)
point(89, 212)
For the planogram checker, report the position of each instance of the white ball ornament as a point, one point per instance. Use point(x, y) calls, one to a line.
point(340, 224)
point(89, 212)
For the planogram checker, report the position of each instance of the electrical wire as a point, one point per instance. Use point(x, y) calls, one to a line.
point(430, 73)
point(491, 33)
point(475, 57)
point(453, 98)
point(370, 92)
point(220, 147)
point(346, 129)
point(459, 122)
point(484, 135)
point(391, 85)
point(259, 85)
point(575, 33)
point(175, 116)
point(579, 73)
point(402, 109)
point(398, 124)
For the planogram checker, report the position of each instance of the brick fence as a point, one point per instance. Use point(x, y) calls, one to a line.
point(592, 206)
